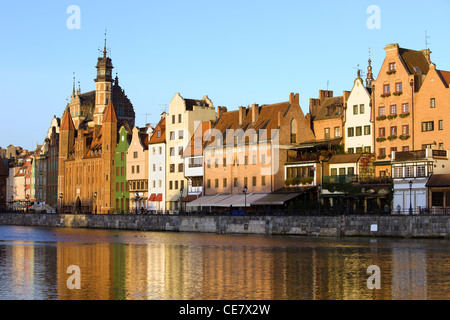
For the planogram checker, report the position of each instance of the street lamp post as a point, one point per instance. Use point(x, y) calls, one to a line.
point(181, 203)
point(245, 198)
point(95, 202)
point(60, 202)
point(136, 194)
point(410, 196)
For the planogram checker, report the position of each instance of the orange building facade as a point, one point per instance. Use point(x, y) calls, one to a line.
point(393, 103)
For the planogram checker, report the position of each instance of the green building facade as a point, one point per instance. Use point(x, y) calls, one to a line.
point(122, 194)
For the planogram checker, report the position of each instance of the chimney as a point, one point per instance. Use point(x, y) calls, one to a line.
point(255, 112)
point(345, 96)
point(220, 111)
point(427, 54)
point(242, 114)
point(279, 118)
point(323, 94)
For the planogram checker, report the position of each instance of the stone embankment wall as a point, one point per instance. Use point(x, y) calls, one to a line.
point(350, 225)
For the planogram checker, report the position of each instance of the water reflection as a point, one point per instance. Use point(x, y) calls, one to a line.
point(117, 265)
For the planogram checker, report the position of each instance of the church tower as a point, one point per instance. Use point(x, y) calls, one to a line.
point(103, 86)
point(109, 142)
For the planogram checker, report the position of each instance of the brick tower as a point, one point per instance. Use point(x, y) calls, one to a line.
point(109, 142)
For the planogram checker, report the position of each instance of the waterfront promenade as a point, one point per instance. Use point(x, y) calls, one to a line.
point(415, 226)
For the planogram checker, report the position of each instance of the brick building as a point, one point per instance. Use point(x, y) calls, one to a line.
point(247, 149)
point(394, 104)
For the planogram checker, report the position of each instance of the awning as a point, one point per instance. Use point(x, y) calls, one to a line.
point(240, 200)
point(208, 201)
point(191, 197)
point(158, 197)
point(226, 200)
point(275, 199)
point(152, 197)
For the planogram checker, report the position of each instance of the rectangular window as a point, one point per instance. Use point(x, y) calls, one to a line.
point(367, 150)
point(398, 87)
point(441, 146)
point(172, 135)
point(437, 199)
point(337, 132)
point(392, 66)
point(358, 131)
point(409, 171)
point(351, 132)
point(254, 181)
point(351, 171)
point(132, 169)
point(263, 180)
point(235, 182)
point(367, 130)
point(355, 109)
point(393, 149)
point(421, 171)
point(432, 103)
point(216, 163)
point(427, 126)
point(180, 134)
point(135, 155)
point(342, 171)
point(381, 111)
point(172, 168)
point(208, 184)
point(350, 150)
point(224, 163)
point(334, 172)
point(361, 109)
point(137, 169)
point(405, 107)
point(393, 131)
point(246, 160)
point(170, 185)
point(179, 118)
point(172, 151)
point(173, 118)
point(386, 89)
point(180, 167)
point(245, 181)
point(327, 133)
point(176, 184)
point(394, 109)
point(180, 151)
point(398, 172)
point(382, 151)
point(382, 132)
point(441, 124)
point(216, 183)
point(405, 129)
point(254, 159)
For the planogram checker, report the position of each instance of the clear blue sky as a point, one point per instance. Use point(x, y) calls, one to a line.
point(236, 52)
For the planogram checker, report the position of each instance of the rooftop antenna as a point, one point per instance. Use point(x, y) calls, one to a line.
point(165, 107)
point(426, 40)
point(327, 84)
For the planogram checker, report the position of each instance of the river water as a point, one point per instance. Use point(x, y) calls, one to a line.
point(127, 265)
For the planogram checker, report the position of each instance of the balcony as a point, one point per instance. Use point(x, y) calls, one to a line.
point(356, 179)
point(306, 157)
point(418, 155)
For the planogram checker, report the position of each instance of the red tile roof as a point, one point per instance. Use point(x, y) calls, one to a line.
point(110, 113)
point(67, 122)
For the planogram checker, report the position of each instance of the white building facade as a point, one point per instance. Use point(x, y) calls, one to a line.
point(358, 128)
point(411, 171)
point(157, 168)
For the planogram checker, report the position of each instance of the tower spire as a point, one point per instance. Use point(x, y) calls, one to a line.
point(369, 78)
point(104, 49)
point(73, 89)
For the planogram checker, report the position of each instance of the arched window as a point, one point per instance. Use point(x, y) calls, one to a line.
point(123, 156)
point(293, 131)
